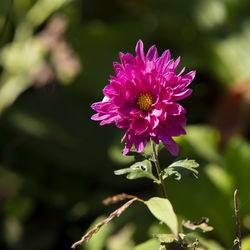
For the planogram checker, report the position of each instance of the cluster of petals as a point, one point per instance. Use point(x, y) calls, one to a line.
point(141, 99)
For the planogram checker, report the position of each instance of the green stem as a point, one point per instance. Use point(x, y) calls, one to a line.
point(158, 169)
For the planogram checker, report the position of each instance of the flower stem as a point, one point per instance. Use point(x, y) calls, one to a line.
point(158, 169)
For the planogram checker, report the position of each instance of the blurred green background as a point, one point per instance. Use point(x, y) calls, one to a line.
point(57, 165)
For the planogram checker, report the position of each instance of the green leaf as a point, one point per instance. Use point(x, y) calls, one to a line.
point(246, 243)
point(209, 244)
point(204, 141)
point(151, 244)
point(122, 239)
point(162, 209)
point(182, 167)
point(138, 170)
point(165, 238)
point(220, 178)
point(202, 226)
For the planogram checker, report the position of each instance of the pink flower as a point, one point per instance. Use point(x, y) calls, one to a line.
point(142, 99)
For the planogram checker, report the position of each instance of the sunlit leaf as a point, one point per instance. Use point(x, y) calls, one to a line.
point(209, 244)
point(183, 167)
point(230, 50)
point(162, 209)
point(202, 226)
point(221, 179)
point(122, 239)
point(165, 238)
point(204, 141)
point(246, 243)
point(138, 170)
point(151, 244)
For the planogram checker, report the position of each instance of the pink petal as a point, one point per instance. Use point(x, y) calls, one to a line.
point(124, 137)
point(111, 119)
point(152, 53)
point(155, 139)
point(181, 95)
point(177, 62)
point(169, 143)
point(139, 125)
point(101, 106)
point(182, 71)
point(179, 120)
point(127, 147)
point(122, 124)
point(139, 49)
point(117, 67)
point(189, 77)
point(166, 56)
point(172, 129)
point(98, 117)
point(175, 109)
point(153, 121)
point(140, 142)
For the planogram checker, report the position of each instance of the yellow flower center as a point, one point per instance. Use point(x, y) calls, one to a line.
point(145, 101)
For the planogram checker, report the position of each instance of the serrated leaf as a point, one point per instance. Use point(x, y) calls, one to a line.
point(182, 167)
point(138, 170)
point(162, 209)
point(202, 226)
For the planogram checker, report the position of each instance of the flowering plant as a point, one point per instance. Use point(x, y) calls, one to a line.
point(141, 99)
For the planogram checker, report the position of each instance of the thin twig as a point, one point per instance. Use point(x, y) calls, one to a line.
point(117, 213)
point(120, 197)
point(236, 210)
point(158, 169)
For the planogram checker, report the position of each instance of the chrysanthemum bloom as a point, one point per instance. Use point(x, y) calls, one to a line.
point(142, 99)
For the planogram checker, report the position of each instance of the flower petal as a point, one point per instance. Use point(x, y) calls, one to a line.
point(117, 67)
point(112, 118)
point(139, 125)
point(152, 53)
point(175, 109)
point(169, 143)
point(139, 49)
point(140, 143)
point(127, 147)
point(122, 124)
point(99, 117)
point(177, 62)
point(189, 77)
point(181, 95)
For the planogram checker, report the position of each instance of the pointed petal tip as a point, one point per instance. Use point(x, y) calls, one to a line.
point(152, 53)
point(125, 151)
point(93, 117)
point(139, 42)
point(139, 49)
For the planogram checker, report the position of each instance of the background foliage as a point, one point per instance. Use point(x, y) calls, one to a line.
point(57, 165)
